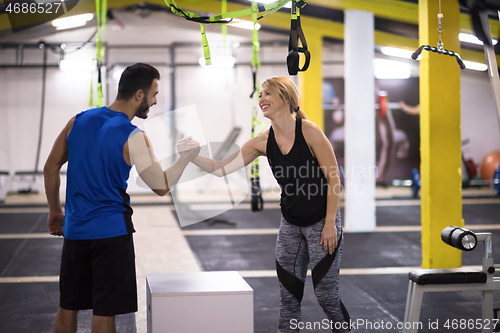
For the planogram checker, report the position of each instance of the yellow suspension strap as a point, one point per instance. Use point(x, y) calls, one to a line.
point(296, 33)
point(101, 12)
point(257, 201)
point(440, 48)
point(222, 18)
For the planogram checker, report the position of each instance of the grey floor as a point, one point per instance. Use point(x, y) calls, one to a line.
point(31, 307)
point(370, 299)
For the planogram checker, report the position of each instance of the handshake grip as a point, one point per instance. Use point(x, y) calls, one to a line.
point(188, 146)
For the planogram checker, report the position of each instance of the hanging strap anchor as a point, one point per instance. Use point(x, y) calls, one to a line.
point(296, 33)
point(440, 48)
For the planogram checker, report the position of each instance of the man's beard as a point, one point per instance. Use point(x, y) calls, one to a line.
point(142, 110)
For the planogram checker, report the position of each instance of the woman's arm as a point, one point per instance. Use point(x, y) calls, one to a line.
point(252, 149)
point(323, 151)
point(139, 152)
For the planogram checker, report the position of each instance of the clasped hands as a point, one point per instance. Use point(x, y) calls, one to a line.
point(189, 147)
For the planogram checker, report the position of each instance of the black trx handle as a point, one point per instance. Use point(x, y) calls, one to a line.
point(296, 33)
point(99, 78)
point(257, 201)
point(415, 54)
point(254, 76)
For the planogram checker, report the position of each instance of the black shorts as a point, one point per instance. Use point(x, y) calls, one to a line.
point(99, 274)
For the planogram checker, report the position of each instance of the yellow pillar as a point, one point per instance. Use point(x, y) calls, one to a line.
point(440, 140)
point(311, 81)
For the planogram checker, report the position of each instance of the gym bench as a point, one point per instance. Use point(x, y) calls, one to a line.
point(455, 279)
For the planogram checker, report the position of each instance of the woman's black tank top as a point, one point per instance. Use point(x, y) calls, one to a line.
point(304, 188)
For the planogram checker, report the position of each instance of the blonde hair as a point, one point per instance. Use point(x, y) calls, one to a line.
point(286, 91)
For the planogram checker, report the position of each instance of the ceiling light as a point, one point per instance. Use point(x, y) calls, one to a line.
point(77, 65)
point(287, 5)
point(468, 38)
point(243, 24)
point(390, 69)
point(395, 52)
point(475, 65)
point(219, 62)
point(72, 21)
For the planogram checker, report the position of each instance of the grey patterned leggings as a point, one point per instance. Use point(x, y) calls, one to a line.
point(298, 248)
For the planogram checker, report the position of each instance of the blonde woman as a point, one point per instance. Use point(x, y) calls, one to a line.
point(310, 235)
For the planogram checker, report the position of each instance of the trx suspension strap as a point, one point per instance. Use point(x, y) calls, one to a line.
point(223, 18)
point(224, 29)
point(296, 33)
point(257, 202)
point(101, 13)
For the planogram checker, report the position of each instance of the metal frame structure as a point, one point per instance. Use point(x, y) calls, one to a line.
point(416, 291)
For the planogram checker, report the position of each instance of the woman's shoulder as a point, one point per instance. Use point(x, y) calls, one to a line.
point(311, 130)
point(259, 140)
point(256, 146)
point(264, 135)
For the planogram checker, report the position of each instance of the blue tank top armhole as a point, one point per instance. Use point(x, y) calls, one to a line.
point(135, 131)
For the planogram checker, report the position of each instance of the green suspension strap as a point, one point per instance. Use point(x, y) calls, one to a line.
point(223, 18)
point(101, 13)
point(257, 202)
point(224, 29)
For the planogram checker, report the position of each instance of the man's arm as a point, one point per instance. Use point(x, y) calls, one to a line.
point(139, 152)
point(252, 149)
point(57, 157)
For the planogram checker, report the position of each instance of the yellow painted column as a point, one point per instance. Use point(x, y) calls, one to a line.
point(311, 81)
point(440, 140)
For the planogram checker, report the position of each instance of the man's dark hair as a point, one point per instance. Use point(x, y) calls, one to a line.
point(136, 77)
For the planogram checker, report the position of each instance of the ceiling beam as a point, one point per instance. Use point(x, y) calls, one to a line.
point(281, 20)
point(397, 10)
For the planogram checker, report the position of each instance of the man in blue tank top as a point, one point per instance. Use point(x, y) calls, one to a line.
point(100, 146)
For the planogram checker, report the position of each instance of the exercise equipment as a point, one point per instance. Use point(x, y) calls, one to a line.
point(455, 279)
point(494, 182)
point(296, 33)
point(257, 203)
point(101, 14)
point(481, 24)
point(262, 10)
point(415, 178)
point(224, 18)
point(222, 301)
point(4, 187)
point(440, 48)
point(413, 182)
point(459, 238)
point(490, 164)
point(479, 21)
point(382, 106)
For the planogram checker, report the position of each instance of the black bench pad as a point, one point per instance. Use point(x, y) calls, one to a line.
point(447, 276)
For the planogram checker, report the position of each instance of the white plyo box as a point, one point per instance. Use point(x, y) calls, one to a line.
point(209, 302)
